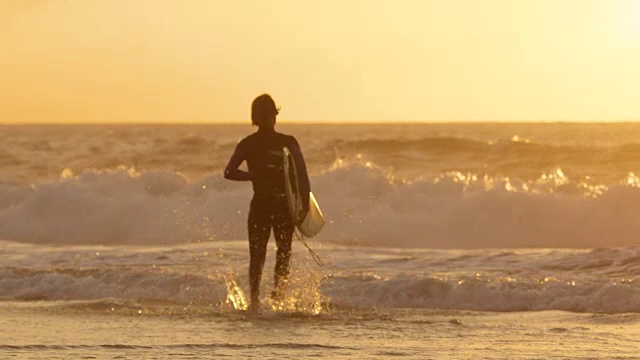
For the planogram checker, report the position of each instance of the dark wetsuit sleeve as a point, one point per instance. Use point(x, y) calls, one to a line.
point(232, 172)
point(303, 176)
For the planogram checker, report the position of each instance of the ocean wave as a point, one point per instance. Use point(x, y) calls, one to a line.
point(445, 144)
point(363, 204)
point(486, 293)
point(515, 157)
point(599, 280)
point(39, 155)
point(463, 144)
point(125, 292)
point(196, 279)
point(121, 284)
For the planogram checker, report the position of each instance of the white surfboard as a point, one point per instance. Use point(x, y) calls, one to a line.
point(313, 222)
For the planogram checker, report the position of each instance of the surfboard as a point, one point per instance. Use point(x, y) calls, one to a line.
point(313, 222)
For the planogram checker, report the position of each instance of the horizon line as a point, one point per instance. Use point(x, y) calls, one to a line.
point(304, 122)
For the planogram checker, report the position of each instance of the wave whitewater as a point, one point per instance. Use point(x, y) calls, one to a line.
point(141, 282)
point(364, 204)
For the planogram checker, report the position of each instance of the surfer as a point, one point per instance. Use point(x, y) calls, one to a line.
point(269, 209)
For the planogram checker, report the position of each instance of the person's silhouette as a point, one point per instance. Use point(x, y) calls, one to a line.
point(269, 209)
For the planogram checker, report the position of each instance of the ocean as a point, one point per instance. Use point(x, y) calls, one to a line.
point(442, 241)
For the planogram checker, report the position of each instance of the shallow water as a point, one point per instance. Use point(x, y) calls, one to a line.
point(214, 273)
point(184, 302)
point(50, 331)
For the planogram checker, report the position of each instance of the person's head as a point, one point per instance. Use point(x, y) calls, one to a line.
point(264, 111)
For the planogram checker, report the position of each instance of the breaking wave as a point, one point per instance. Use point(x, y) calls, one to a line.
point(363, 204)
point(463, 210)
point(600, 280)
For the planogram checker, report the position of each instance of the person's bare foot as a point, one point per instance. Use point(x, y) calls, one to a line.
point(254, 308)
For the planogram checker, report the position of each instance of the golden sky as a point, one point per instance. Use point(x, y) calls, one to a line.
point(330, 60)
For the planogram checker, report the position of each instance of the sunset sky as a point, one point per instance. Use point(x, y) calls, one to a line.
point(332, 60)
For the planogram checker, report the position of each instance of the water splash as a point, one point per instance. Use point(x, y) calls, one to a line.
point(235, 295)
point(518, 139)
point(556, 178)
point(304, 296)
point(632, 180)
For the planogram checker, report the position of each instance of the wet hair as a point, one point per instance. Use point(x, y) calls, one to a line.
point(262, 108)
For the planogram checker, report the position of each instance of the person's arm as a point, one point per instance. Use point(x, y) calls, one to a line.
point(303, 177)
point(231, 172)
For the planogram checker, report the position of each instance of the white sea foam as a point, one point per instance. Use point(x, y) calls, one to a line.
point(486, 294)
point(404, 291)
point(363, 204)
point(601, 280)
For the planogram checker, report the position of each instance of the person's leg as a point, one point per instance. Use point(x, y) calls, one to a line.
point(283, 232)
point(259, 231)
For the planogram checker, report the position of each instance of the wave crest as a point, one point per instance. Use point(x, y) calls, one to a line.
point(363, 204)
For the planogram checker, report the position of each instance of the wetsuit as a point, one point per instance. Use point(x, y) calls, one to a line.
point(262, 151)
